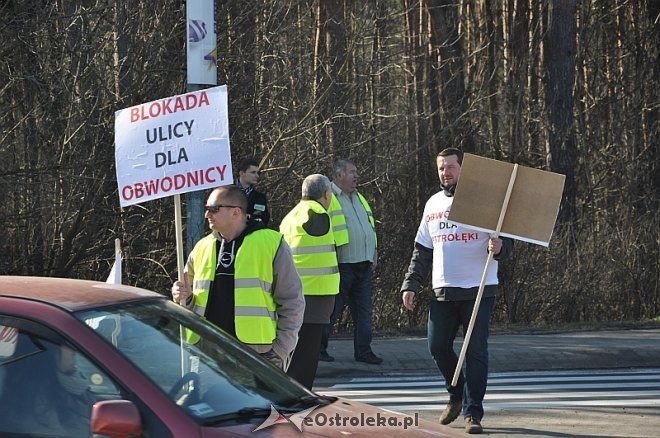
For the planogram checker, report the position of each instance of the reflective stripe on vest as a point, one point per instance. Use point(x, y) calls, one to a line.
point(318, 271)
point(314, 256)
point(313, 249)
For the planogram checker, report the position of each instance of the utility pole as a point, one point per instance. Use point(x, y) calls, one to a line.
point(201, 60)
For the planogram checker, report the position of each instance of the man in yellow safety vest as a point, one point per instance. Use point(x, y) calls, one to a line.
point(242, 278)
point(352, 215)
point(307, 230)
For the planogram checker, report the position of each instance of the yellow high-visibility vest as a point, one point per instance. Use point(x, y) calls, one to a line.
point(370, 214)
point(314, 256)
point(255, 316)
point(338, 222)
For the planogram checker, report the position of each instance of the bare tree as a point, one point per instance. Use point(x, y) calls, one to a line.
point(559, 58)
point(561, 85)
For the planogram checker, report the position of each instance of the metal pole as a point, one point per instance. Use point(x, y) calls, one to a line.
point(202, 72)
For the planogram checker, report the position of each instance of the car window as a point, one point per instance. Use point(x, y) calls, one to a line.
point(203, 370)
point(47, 386)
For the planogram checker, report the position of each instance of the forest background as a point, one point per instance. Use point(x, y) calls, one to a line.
point(561, 85)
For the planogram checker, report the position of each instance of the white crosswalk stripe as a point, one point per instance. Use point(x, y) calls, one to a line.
point(552, 389)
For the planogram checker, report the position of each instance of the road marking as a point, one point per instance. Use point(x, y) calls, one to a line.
point(552, 389)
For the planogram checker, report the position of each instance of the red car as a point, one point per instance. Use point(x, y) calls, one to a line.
point(83, 358)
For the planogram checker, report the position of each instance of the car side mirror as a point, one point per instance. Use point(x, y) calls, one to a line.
point(116, 419)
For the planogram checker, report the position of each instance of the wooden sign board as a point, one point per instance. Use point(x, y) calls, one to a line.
point(533, 204)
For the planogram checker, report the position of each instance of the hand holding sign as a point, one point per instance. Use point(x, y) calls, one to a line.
point(170, 146)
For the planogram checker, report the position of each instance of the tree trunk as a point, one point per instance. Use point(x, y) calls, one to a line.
point(559, 57)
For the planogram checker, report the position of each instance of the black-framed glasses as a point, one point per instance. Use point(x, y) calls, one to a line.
point(213, 209)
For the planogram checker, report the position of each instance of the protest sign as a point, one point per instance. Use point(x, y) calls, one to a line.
point(173, 145)
point(533, 205)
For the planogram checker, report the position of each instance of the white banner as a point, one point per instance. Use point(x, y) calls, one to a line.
point(174, 145)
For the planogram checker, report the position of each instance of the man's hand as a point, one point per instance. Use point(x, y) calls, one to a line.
point(494, 245)
point(408, 299)
point(273, 358)
point(180, 290)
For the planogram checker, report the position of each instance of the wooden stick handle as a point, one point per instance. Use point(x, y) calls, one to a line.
point(179, 235)
point(482, 284)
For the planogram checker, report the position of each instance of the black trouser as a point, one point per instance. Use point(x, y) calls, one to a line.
point(306, 355)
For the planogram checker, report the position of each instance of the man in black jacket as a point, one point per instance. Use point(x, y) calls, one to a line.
point(248, 177)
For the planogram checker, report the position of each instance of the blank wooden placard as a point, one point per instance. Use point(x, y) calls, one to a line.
point(533, 205)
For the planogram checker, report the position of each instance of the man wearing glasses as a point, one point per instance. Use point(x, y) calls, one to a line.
point(242, 278)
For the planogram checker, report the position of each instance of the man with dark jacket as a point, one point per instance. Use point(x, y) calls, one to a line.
point(247, 179)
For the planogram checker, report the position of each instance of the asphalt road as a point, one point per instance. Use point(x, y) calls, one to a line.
point(602, 349)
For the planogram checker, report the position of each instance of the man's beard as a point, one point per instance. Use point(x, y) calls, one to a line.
point(448, 188)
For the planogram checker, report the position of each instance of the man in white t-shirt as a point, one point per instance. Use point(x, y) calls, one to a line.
point(456, 255)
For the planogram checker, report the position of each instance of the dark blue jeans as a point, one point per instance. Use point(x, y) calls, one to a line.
point(354, 290)
point(445, 317)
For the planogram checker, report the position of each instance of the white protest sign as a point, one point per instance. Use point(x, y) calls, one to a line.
point(174, 145)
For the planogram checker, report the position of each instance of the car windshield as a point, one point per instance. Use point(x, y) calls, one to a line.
point(206, 372)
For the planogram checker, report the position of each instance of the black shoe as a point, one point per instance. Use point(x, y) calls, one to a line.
point(370, 358)
point(325, 357)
